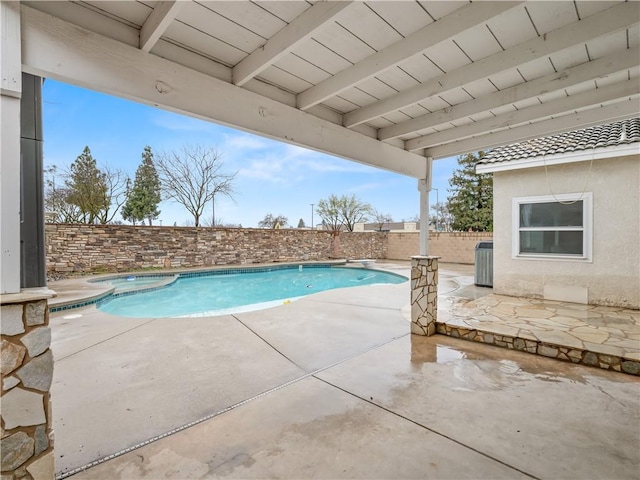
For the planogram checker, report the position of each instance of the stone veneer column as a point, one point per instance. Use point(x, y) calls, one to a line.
point(424, 294)
point(26, 444)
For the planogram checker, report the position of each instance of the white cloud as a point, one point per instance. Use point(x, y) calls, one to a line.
point(289, 164)
point(270, 171)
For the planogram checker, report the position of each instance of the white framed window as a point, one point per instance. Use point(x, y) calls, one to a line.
point(557, 227)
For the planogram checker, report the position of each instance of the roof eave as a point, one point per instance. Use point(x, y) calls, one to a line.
point(559, 159)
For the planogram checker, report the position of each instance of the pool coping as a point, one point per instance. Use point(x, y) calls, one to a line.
point(95, 296)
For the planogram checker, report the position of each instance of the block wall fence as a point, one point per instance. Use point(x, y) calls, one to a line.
point(451, 247)
point(75, 248)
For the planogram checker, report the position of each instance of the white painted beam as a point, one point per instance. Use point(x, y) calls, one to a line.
point(11, 75)
point(158, 21)
point(424, 187)
point(611, 20)
point(566, 123)
point(56, 49)
point(598, 68)
point(434, 33)
point(10, 66)
point(598, 96)
point(94, 21)
point(299, 30)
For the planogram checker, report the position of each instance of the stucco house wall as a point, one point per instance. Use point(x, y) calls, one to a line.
point(613, 275)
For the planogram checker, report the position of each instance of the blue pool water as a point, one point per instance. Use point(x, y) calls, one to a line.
point(224, 293)
point(133, 281)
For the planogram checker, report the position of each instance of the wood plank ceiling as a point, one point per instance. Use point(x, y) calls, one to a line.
point(436, 78)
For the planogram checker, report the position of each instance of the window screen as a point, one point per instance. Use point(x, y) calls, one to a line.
point(549, 226)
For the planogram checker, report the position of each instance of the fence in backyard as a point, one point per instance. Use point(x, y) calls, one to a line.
point(77, 248)
point(451, 247)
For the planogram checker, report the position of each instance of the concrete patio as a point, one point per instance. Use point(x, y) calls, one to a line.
point(330, 386)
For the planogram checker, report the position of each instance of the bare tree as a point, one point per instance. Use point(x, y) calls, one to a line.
point(352, 210)
point(193, 177)
point(442, 220)
point(117, 183)
point(345, 211)
point(58, 209)
point(271, 221)
point(380, 219)
point(329, 211)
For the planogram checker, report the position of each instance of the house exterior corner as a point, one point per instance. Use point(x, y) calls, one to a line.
point(610, 273)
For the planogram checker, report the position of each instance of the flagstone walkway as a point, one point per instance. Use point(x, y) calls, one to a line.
point(605, 337)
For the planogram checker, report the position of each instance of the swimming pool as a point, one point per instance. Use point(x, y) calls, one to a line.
point(229, 291)
point(129, 282)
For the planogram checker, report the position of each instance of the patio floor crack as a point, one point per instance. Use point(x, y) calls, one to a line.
point(440, 434)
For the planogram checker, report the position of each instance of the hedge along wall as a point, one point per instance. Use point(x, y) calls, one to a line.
point(75, 248)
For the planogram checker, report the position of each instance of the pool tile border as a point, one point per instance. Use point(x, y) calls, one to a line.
point(74, 305)
point(173, 277)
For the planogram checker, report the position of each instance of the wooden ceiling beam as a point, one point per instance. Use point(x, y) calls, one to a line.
point(158, 21)
point(604, 94)
point(613, 19)
point(434, 33)
point(299, 30)
point(57, 49)
point(584, 72)
point(566, 123)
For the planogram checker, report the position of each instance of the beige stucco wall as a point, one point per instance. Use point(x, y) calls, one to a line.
point(451, 247)
point(613, 277)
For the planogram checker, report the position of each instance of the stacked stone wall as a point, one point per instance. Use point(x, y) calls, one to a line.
point(451, 247)
point(112, 248)
point(355, 245)
point(27, 369)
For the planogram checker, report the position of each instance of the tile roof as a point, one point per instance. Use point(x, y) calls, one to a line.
point(601, 136)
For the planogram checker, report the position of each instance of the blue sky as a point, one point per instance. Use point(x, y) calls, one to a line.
point(273, 177)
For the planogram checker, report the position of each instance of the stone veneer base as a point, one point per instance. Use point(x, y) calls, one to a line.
point(26, 435)
point(559, 352)
point(424, 294)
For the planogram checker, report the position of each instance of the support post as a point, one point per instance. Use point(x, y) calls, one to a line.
point(424, 269)
point(25, 337)
point(424, 294)
point(424, 186)
point(32, 257)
